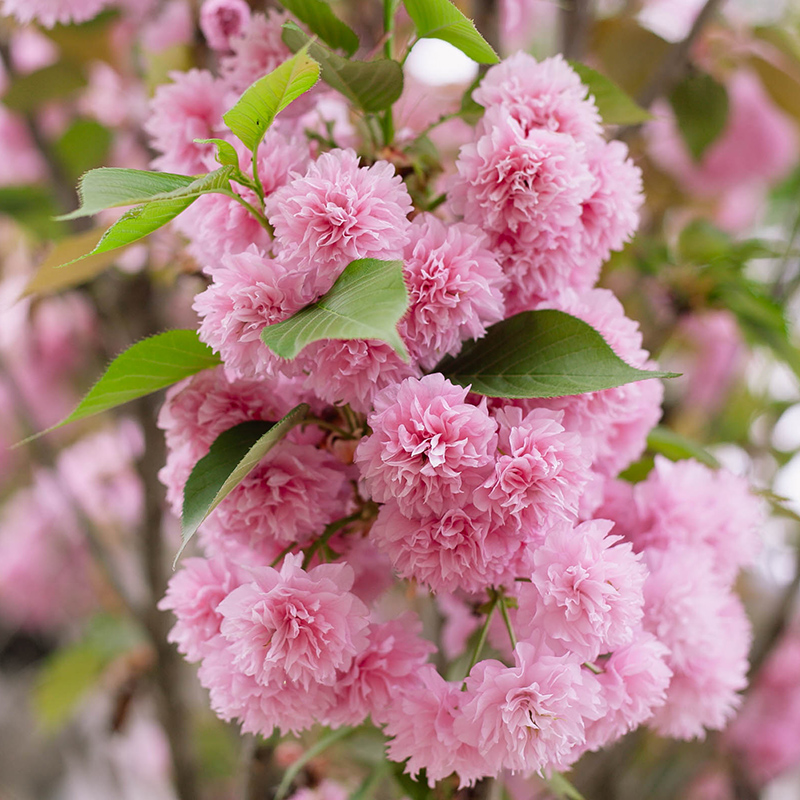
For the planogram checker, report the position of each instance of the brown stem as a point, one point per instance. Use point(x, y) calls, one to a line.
point(486, 14)
point(575, 18)
point(677, 59)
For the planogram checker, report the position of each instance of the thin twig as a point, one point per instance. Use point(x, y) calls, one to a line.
point(673, 66)
point(575, 18)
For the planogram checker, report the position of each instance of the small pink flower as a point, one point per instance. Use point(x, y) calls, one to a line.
point(193, 594)
point(585, 593)
point(530, 716)
point(295, 625)
point(540, 470)
point(222, 19)
point(389, 665)
point(250, 291)
point(546, 95)
point(189, 108)
point(50, 12)
point(634, 683)
point(454, 285)
point(429, 448)
point(690, 610)
point(459, 548)
point(422, 723)
point(528, 184)
point(352, 371)
point(257, 49)
point(338, 212)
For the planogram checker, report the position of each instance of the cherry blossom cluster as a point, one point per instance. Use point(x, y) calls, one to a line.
point(616, 598)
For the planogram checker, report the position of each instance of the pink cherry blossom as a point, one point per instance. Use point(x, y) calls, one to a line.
point(50, 12)
point(295, 625)
point(633, 683)
point(546, 95)
point(585, 593)
point(222, 19)
point(338, 212)
point(193, 594)
point(422, 723)
point(388, 665)
point(530, 716)
point(429, 448)
point(454, 285)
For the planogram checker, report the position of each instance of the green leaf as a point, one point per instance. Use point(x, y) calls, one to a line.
point(159, 210)
point(544, 353)
point(440, 19)
point(144, 368)
point(110, 187)
point(469, 110)
point(616, 107)
point(34, 207)
point(226, 153)
point(561, 788)
point(29, 92)
point(234, 454)
point(72, 671)
point(371, 85)
point(676, 447)
point(701, 242)
point(83, 146)
point(51, 277)
point(367, 301)
point(317, 16)
point(781, 82)
point(255, 110)
point(700, 104)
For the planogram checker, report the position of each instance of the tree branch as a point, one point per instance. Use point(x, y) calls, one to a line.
point(575, 20)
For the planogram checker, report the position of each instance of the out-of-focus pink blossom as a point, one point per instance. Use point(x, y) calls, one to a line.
point(222, 19)
point(758, 147)
point(50, 12)
point(633, 683)
point(170, 26)
point(708, 634)
point(189, 108)
point(388, 665)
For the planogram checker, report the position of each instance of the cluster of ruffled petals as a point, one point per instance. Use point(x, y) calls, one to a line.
point(585, 594)
point(338, 212)
point(686, 503)
point(617, 613)
point(554, 196)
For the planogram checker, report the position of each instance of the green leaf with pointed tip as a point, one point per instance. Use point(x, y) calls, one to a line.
point(256, 109)
point(159, 210)
point(371, 85)
point(616, 107)
point(675, 447)
point(110, 187)
point(226, 153)
point(700, 104)
point(367, 301)
point(440, 19)
point(234, 454)
point(144, 368)
point(544, 353)
point(317, 16)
